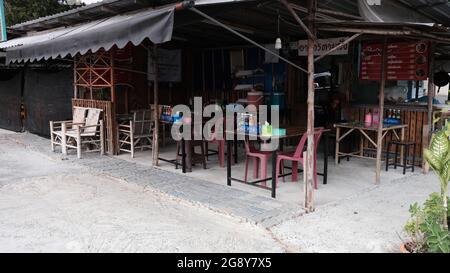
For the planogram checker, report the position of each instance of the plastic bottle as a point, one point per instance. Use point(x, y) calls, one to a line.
point(368, 119)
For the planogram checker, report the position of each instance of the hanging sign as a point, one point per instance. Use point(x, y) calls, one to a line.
point(323, 46)
point(2, 22)
point(405, 61)
point(169, 64)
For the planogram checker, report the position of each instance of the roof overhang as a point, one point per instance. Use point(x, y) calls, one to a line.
point(119, 30)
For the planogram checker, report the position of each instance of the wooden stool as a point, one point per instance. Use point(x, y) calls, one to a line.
point(406, 145)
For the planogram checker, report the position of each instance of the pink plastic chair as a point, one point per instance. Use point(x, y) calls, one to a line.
point(297, 157)
point(260, 160)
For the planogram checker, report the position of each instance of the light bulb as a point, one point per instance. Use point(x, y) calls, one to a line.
point(278, 44)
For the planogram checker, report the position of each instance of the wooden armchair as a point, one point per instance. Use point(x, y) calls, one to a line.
point(81, 131)
point(138, 134)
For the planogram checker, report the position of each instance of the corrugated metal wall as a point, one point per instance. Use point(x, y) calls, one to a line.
point(47, 96)
point(10, 97)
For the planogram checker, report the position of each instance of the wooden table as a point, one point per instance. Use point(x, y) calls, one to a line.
point(345, 129)
point(291, 133)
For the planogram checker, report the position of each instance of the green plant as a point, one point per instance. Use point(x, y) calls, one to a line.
point(437, 238)
point(438, 156)
point(414, 229)
point(424, 228)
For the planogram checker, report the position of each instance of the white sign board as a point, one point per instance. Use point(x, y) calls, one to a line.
point(323, 46)
point(169, 62)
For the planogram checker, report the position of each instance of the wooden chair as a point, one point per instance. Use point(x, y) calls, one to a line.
point(81, 131)
point(138, 134)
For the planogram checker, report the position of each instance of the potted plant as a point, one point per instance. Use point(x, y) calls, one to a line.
point(428, 226)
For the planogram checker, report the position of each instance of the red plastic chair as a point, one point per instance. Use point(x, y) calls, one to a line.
point(297, 157)
point(220, 149)
point(260, 160)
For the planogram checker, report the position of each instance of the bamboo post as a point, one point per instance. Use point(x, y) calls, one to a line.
point(381, 106)
point(431, 89)
point(309, 171)
point(114, 141)
point(63, 138)
point(102, 138)
point(431, 94)
point(156, 103)
point(75, 81)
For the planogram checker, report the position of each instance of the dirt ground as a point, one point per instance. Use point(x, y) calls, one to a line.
point(47, 205)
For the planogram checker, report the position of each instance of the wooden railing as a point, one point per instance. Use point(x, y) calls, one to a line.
point(108, 120)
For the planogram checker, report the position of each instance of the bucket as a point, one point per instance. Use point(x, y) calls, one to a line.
point(278, 99)
point(255, 98)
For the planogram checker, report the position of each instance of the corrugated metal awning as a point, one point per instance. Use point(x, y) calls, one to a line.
point(154, 24)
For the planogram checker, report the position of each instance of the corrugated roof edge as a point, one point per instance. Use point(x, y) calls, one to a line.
point(68, 12)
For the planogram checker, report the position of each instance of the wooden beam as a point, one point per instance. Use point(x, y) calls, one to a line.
point(299, 21)
point(309, 172)
point(367, 31)
point(338, 46)
point(381, 106)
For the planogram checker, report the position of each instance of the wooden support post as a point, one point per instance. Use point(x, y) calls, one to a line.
point(156, 103)
point(431, 89)
point(113, 88)
point(309, 171)
point(431, 95)
point(381, 106)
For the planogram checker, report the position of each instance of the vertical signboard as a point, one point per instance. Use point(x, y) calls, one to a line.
point(2, 22)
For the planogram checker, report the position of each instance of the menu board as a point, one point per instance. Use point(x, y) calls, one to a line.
point(405, 61)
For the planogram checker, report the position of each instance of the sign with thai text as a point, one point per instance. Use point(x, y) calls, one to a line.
point(405, 61)
point(323, 46)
